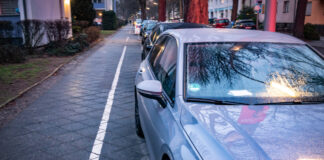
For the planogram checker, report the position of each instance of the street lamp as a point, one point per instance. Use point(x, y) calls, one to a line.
point(66, 2)
point(154, 3)
point(147, 8)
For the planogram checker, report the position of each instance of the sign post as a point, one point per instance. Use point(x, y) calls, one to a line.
point(257, 10)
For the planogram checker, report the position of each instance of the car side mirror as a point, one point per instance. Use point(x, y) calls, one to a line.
point(152, 89)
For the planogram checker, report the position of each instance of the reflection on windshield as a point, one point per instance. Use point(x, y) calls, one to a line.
point(254, 72)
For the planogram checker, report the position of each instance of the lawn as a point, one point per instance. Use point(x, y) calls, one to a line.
point(107, 32)
point(14, 78)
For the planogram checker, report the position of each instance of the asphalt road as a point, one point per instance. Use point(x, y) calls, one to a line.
point(87, 114)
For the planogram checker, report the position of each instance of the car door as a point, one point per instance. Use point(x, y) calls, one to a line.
point(162, 67)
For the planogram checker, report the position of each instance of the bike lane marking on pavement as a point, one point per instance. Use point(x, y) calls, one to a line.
point(98, 142)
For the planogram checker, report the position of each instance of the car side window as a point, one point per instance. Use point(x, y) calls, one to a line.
point(156, 51)
point(156, 35)
point(165, 67)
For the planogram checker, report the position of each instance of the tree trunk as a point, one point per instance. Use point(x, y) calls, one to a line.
point(234, 10)
point(300, 19)
point(196, 11)
point(143, 9)
point(162, 10)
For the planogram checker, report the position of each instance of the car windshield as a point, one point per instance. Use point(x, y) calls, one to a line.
point(254, 73)
point(150, 26)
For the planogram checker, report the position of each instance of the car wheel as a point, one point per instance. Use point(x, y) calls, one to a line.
point(139, 130)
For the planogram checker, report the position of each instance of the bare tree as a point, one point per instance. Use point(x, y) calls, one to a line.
point(234, 10)
point(143, 8)
point(300, 19)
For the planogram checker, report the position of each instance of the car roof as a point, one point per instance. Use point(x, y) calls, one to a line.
point(197, 35)
point(181, 25)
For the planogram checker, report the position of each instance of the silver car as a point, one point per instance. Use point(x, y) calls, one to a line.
point(231, 94)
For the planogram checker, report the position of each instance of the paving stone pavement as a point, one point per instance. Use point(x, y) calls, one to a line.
point(63, 122)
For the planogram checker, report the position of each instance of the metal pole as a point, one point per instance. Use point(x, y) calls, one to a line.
point(270, 15)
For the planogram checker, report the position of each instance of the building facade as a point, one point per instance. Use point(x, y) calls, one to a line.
point(219, 9)
point(315, 12)
point(100, 6)
point(17, 10)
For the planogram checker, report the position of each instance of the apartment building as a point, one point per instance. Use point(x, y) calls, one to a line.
point(223, 8)
point(100, 6)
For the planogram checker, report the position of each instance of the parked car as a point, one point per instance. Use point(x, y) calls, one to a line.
point(245, 24)
point(231, 94)
point(144, 24)
point(220, 23)
point(160, 28)
point(147, 30)
point(137, 27)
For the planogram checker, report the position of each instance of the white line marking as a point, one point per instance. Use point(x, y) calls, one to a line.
point(127, 39)
point(98, 143)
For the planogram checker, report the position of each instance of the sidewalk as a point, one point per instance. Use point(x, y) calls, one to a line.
point(319, 45)
point(63, 123)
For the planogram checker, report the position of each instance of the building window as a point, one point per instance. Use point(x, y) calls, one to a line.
point(8, 7)
point(222, 1)
point(286, 7)
point(212, 14)
point(309, 9)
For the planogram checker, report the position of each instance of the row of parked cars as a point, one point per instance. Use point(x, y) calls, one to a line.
point(206, 93)
point(238, 24)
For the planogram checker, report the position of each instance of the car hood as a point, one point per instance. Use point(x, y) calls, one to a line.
point(255, 132)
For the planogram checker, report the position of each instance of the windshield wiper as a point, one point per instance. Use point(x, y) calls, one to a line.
point(219, 102)
point(291, 103)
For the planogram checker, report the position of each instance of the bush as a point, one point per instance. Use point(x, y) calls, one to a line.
point(76, 29)
point(247, 13)
point(93, 33)
point(6, 29)
point(33, 32)
point(11, 54)
point(68, 48)
point(121, 22)
point(109, 20)
point(310, 32)
point(57, 30)
point(82, 10)
point(79, 26)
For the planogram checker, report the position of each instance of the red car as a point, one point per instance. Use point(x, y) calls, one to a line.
point(220, 23)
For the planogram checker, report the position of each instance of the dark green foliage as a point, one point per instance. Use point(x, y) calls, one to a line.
point(121, 22)
point(93, 33)
point(82, 10)
point(76, 29)
point(109, 20)
point(6, 29)
point(68, 48)
point(79, 26)
point(310, 32)
point(11, 54)
point(247, 13)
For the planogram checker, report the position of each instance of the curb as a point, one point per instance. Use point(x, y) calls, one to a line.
point(52, 73)
point(37, 83)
